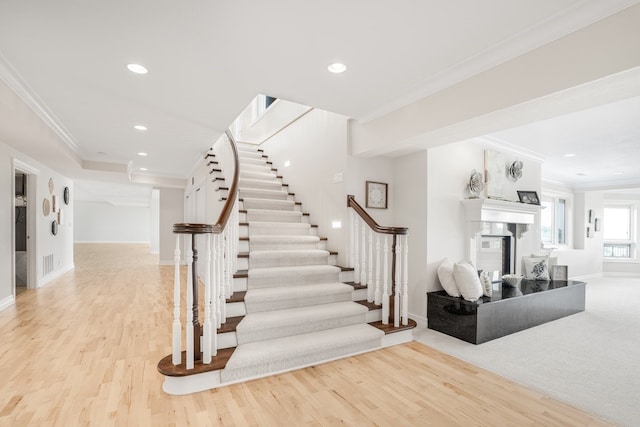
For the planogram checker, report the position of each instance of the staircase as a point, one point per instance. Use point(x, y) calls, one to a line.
point(292, 307)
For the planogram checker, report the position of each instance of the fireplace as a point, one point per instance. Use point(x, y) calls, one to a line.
point(494, 228)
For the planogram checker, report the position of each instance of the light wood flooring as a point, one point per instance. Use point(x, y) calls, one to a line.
point(83, 350)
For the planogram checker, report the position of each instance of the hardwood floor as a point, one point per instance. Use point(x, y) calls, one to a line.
point(83, 351)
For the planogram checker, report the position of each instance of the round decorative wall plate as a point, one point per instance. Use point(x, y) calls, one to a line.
point(65, 195)
point(515, 170)
point(54, 227)
point(46, 207)
point(476, 184)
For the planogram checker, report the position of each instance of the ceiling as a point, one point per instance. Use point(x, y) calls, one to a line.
point(66, 60)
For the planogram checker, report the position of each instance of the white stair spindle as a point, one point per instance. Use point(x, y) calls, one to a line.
point(352, 224)
point(396, 291)
point(223, 305)
point(206, 328)
point(378, 293)
point(405, 283)
point(190, 332)
point(385, 287)
point(216, 276)
point(214, 316)
point(363, 255)
point(370, 282)
point(356, 267)
point(176, 354)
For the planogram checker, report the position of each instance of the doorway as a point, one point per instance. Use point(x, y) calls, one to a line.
point(24, 227)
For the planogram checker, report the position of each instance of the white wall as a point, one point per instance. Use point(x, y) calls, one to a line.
point(61, 245)
point(154, 226)
point(171, 212)
point(430, 186)
point(377, 169)
point(316, 147)
point(102, 222)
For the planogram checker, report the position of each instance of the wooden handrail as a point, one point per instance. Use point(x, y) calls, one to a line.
point(351, 202)
point(227, 209)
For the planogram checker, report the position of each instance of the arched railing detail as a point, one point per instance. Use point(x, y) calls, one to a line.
point(387, 288)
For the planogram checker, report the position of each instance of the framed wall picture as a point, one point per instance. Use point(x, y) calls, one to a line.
point(376, 195)
point(559, 272)
point(529, 197)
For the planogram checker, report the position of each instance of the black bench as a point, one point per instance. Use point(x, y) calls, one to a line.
point(509, 310)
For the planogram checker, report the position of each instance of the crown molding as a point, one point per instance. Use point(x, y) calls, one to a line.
point(19, 86)
point(490, 141)
point(563, 23)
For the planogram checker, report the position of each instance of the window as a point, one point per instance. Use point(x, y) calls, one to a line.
point(553, 219)
point(618, 231)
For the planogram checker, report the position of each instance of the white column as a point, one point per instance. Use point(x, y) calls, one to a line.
point(378, 293)
point(405, 283)
point(206, 327)
point(385, 287)
point(190, 355)
point(370, 282)
point(396, 291)
point(176, 356)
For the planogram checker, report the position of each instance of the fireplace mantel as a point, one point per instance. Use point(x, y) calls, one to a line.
point(492, 210)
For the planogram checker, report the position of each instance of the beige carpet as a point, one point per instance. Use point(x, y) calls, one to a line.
point(590, 360)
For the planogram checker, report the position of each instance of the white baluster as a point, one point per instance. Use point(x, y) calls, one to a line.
point(176, 356)
point(385, 287)
point(356, 267)
point(190, 355)
point(363, 255)
point(378, 293)
point(212, 296)
point(206, 327)
point(223, 305)
point(396, 291)
point(405, 283)
point(216, 279)
point(370, 282)
point(352, 225)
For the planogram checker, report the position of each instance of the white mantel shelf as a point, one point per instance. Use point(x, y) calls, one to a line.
point(492, 210)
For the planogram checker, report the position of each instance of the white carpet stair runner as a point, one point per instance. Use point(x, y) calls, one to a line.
point(298, 311)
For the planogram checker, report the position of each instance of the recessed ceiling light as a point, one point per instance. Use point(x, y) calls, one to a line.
point(337, 68)
point(569, 155)
point(619, 173)
point(101, 153)
point(137, 68)
point(140, 127)
point(144, 169)
point(581, 174)
point(142, 154)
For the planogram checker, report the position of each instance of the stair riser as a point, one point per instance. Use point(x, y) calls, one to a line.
point(239, 284)
point(263, 168)
point(288, 261)
point(291, 279)
point(266, 246)
point(259, 184)
point(282, 304)
point(281, 230)
point(264, 194)
point(260, 175)
point(346, 276)
point(267, 333)
point(252, 161)
point(274, 216)
point(235, 309)
point(269, 204)
point(359, 295)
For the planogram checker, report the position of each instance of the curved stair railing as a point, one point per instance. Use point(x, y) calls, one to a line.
point(221, 247)
point(394, 300)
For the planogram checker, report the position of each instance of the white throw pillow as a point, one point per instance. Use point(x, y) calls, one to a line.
point(467, 280)
point(536, 268)
point(445, 274)
point(487, 289)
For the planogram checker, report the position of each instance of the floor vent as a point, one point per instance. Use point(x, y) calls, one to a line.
point(47, 264)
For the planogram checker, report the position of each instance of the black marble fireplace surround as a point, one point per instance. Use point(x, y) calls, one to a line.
point(509, 310)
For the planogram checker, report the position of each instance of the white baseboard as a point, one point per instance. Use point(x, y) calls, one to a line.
point(621, 274)
point(7, 302)
point(587, 277)
point(110, 241)
point(53, 276)
point(420, 320)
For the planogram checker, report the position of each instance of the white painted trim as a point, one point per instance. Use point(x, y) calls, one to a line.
point(171, 262)
point(619, 274)
point(490, 141)
point(56, 274)
point(396, 338)
point(24, 167)
point(587, 277)
point(12, 78)
point(420, 320)
point(7, 302)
